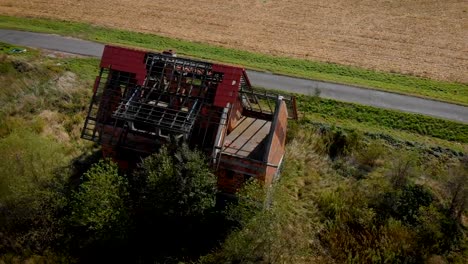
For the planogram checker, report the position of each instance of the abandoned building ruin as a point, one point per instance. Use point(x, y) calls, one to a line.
point(142, 99)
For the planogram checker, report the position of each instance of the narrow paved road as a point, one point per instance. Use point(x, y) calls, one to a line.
point(302, 86)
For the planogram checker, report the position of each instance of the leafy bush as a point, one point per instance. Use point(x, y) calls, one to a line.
point(177, 182)
point(404, 204)
point(336, 142)
point(371, 155)
point(174, 194)
point(99, 206)
point(436, 232)
point(403, 167)
point(457, 188)
point(253, 228)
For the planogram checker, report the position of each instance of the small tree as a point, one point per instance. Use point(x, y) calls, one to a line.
point(177, 182)
point(99, 206)
point(337, 142)
point(457, 188)
point(403, 167)
point(175, 192)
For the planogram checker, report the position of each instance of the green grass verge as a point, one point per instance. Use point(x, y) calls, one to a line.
point(444, 91)
point(391, 136)
point(331, 111)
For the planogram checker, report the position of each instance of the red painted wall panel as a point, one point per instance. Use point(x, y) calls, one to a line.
point(228, 89)
point(124, 59)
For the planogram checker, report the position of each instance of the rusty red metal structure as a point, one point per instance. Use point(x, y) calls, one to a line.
point(141, 99)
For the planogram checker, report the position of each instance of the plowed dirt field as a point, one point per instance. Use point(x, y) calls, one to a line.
point(421, 37)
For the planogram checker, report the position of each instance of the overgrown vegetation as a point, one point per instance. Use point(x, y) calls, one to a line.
point(41, 113)
point(99, 210)
point(371, 204)
point(445, 91)
point(344, 196)
point(161, 212)
point(43, 94)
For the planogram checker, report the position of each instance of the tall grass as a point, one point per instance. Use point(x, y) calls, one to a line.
point(43, 95)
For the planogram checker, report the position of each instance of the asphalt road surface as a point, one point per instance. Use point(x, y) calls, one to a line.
point(340, 92)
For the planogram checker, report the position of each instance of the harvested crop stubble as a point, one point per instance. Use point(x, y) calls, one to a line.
point(421, 37)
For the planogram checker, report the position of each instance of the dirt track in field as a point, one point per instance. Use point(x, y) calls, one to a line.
point(421, 37)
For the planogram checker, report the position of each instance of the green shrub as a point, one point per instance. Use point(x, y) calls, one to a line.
point(177, 182)
point(457, 189)
point(344, 167)
point(250, 200)
point(336, 142)
point(99, 206)
point(371, 155)
point(174, 194)
point(436, 232)
point(404, 204)
point(352, 234)
point(403, 166)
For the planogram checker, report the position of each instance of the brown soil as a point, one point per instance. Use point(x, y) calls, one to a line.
point(420, 37)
